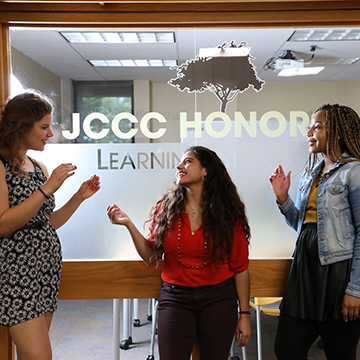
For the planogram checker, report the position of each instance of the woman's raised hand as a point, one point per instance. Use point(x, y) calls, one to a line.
point(117, 216)
point(280, 184)
point(58, 176)
point(89, 187)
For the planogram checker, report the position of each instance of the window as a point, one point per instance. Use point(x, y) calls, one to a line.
point(108, 98)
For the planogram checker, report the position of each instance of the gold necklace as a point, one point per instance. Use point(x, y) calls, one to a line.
point(179, 252)
point(193, 213)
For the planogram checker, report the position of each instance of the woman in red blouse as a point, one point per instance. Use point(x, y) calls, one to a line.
point(199, 231)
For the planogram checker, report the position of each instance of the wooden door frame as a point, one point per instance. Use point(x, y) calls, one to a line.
point(268, 277)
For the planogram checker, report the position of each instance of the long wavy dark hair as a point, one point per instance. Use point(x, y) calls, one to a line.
point(222, 208)
point(18, 116)
point(342, 126)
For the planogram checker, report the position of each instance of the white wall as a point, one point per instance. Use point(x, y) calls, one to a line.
point(33, 75)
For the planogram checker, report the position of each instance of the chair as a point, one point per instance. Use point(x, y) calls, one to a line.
point(127, 304)
point(154, 316)
point(268, 306)
point(232, 354)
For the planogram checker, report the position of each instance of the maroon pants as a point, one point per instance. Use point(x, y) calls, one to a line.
point(208, 313)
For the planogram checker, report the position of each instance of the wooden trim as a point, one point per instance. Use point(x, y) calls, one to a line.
point(190, 19)
point(109, 280)
point(140, 14)
point(175, 5)
point(250, 4)
point(5, 66)
point(89, 279)
point(268, 277)
point(134, 279)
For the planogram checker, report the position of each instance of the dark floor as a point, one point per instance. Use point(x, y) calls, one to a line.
point(83, 330)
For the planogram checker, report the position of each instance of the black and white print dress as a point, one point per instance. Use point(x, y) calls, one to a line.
point(30, 258)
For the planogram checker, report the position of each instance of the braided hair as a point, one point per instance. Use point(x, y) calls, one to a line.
point(342, 125)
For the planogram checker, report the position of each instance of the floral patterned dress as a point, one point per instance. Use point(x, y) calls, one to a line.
point(30, 258)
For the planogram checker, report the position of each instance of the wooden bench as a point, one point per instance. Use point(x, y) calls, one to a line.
point(134, 279)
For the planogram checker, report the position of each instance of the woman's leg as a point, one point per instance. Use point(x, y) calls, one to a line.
point(31, 338)
point(217, 319)
point(294, 337)
point(49, 317)
point(176, 323)
point(206, 312)
point(216, 330)
point(340, 339)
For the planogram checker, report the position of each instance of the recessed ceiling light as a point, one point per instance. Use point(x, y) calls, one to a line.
point(133, 63)
point(325, 35)
point(217, 52)
point(118, 37)
point(301, 71)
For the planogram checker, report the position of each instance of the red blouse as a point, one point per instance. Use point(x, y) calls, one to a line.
point(190, 250)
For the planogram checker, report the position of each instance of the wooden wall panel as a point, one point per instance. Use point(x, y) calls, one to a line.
point(134, 279)
point(109, 280)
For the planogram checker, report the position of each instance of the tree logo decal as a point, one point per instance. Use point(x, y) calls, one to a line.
point(226, 71)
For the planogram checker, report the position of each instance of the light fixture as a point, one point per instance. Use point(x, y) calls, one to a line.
point(113, 37)
point(325, 35)
point(133, 63)
point(300, 71)
point(217, 52)
point(337, 61)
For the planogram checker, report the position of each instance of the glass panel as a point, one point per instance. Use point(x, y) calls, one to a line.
point(108, 98)
point(223, 92)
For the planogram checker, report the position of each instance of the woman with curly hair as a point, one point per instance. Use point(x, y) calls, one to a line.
point(199, 231)
point(30, 250)
point(322, 297)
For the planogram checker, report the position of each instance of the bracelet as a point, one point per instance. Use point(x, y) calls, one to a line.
point(41, 190)
point(245, 312)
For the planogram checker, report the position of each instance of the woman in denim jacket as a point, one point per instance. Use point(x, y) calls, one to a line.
point(323, 291)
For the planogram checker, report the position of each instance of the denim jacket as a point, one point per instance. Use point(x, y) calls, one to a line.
point(338, 215)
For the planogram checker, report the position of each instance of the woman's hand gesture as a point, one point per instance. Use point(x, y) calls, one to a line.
point(58, 176)
point(117, 216)
point(143, 247)
point(89, 187)
point(280, 184)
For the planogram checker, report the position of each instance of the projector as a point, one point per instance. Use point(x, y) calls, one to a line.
point(281, 64)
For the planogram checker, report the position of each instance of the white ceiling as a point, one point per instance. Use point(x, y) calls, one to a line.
point(52, 51)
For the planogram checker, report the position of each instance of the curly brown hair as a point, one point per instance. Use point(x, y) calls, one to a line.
point(222, 208)
point(18, 116)
point(342, 126)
